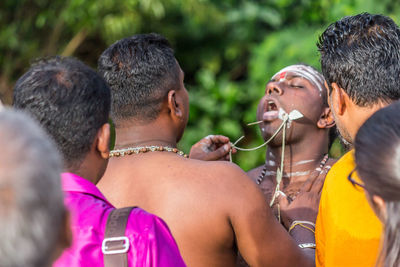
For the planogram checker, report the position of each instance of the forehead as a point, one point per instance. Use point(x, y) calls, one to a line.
point(288, 74)
point(305, 72)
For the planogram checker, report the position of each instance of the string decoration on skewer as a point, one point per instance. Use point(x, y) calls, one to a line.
point(254, 123)
point(286, 123)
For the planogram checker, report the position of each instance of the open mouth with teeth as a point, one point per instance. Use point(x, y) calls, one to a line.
point(271, 106)
point(271, 111)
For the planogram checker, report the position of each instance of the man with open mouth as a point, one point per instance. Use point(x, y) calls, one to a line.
point(297, 87)
point(296, 123)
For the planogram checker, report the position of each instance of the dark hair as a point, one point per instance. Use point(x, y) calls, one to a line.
point(377, 155)
point(140, 71)
point(69, 99)
point(362, 55)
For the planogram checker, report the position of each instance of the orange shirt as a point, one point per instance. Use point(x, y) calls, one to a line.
point(347, 230)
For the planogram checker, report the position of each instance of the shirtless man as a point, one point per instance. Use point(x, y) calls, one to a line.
point(296, 87)
point(211, 207)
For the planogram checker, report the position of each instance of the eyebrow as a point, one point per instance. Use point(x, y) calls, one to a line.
point(292, 76)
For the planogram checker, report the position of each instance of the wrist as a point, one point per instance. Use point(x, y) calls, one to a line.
point(302, 233)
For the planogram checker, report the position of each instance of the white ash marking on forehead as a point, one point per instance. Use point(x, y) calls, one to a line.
point(305, 72)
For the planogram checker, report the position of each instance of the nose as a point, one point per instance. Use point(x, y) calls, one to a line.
point(273, 88)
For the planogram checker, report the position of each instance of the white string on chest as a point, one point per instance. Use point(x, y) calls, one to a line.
point(286, 122)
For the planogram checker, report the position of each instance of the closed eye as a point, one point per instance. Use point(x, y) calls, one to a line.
point(296, 86)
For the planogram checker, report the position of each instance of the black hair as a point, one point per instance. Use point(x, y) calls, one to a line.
point(140, 71)
point(69, 99)
point(377, 155)
point(362, 55)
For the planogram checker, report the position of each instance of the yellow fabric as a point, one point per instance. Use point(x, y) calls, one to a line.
point(347, 231)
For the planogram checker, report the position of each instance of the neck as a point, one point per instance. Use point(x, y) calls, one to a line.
point(87, 170)
point(360, 114)
point(299, 157)
point(154, 133)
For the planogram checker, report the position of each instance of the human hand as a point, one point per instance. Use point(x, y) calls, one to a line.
point(305, 206)
point(212, 147)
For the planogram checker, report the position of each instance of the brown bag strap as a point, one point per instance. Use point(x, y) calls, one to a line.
point(115, 244)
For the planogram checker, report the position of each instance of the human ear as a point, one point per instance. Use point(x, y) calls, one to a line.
point(326, 119)
point(338, 101)
point(175, 105)
point(103, 140)
point(380, 207)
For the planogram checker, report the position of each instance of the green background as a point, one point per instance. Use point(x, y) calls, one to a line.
point(228, 49)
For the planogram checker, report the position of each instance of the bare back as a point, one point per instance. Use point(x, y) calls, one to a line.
point(210, 207)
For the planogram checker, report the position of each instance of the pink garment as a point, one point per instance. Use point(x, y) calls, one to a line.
point(151, 243)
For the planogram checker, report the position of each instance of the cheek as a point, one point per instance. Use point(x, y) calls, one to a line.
point(309, 105)
point(260, 109)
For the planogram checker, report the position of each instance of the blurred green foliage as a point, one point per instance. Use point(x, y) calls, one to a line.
point(228, 49)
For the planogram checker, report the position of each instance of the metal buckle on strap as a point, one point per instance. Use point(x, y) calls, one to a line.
point(123, 248)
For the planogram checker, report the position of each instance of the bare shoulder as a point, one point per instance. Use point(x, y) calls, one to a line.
point(227, 179)
point(222, 169)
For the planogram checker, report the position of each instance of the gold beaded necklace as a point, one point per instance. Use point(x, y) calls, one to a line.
point(143, 149)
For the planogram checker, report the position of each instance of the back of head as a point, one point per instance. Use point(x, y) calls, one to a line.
point(140, 71)
point(377, 155)
point(31, 201)
point(362, 55)
point(69, 99)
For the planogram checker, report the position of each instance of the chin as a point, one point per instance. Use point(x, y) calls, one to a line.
point(268, 129)
point(344, 137)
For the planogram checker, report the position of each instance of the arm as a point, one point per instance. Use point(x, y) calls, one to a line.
point(304, 208)
point(212, 147)
point(261, 240)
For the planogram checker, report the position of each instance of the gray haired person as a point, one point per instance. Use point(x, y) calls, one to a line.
point(33, 219)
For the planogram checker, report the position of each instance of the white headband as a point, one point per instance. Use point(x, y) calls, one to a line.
point(306, 72)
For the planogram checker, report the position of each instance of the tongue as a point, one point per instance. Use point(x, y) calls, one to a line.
point(270, 115)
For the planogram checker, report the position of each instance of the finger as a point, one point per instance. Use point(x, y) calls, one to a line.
point(219, 153)
point(319, 183)
point(204, 141)
point(219, 139)
point(283, 201)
